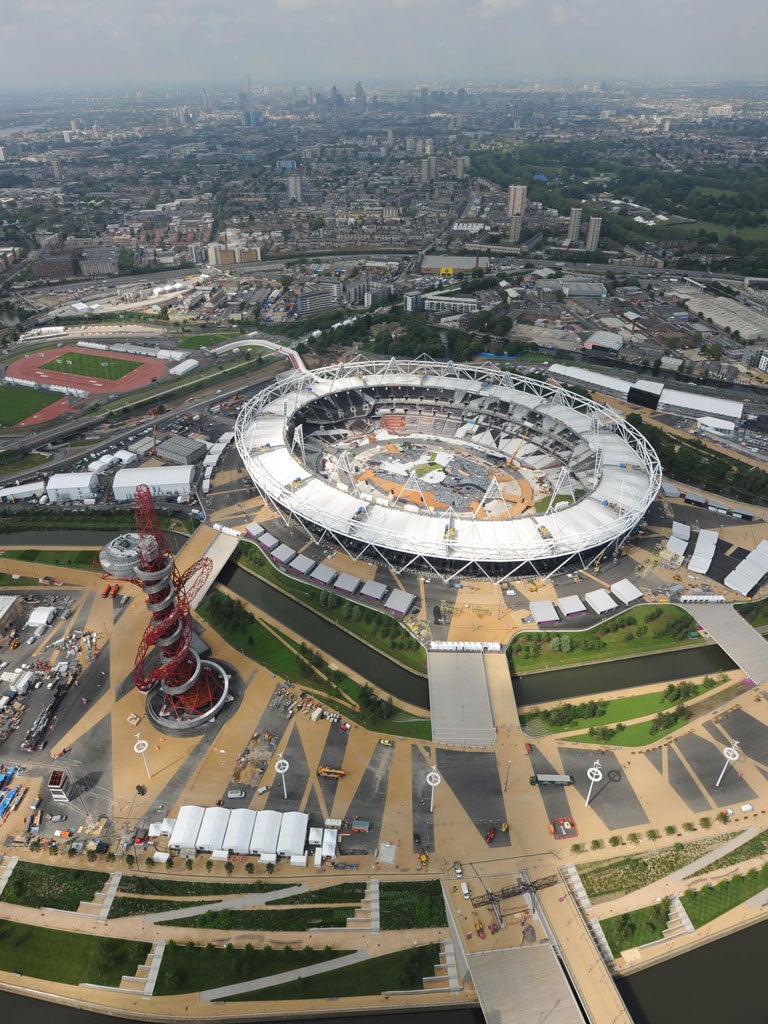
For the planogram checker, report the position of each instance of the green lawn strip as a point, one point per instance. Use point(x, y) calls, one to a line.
point(298, 919)
point(704, 905)
point(666, 627)
point(403, 970)
point(83, 365)
point(7, 580)
point(637, 735)
point(619, 875)
point(345, 892)
point(37, 885)
point(637, 927)
point(17, 403)
point(411, 905)
point(378, 629)
point(757, 846)
point(71, 559)
point(190, 968)
point(205, 340)
point(755, 613)
point(145, 886)
point(67, 957)
point(623, 709)
point(131, 906)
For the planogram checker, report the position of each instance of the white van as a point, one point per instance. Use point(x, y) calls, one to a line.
point(465, 890)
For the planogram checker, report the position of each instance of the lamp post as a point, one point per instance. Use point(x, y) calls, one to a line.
point(506, 777)
point(281, 768)
point(141, 747)
point(731, 755)
point(433, 781)
point(594, 774)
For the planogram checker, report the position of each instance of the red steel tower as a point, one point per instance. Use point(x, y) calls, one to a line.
point(183, 690)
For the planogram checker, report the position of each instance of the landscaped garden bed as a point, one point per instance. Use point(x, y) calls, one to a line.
point(411, 905)
point(38, 885)
point(636, 928)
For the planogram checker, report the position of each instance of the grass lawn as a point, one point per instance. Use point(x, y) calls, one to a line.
point(636, 928)
point(412, 905)
point(69, 957)
point(637, 735)
point(72, 559)
point(30, 461)
point(638, 631)
point(291, 919)
point(255, 640)
point(7, 580)
point(37, 885)
point(144, 885)
point(376, 628)
point(101, 366)
point(755, 613)
point(710, 902)
point(623, 709)
point(196, 968)
point(205, 340)
point(389, 973)
point(16, 403)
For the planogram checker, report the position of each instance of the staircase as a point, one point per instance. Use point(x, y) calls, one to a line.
point(679, 923)
point(570, 876)
point(363, 917)
point(446, 975)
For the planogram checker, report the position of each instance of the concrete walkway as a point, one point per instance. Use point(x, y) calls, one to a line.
point(737, 638)
point(716, 854)
point(248, 901)
point(242, 987)
point(8, 867)
point(110, 892)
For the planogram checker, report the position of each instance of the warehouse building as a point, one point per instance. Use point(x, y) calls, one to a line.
point(23, 492)
point(162, 481)
point(72, 486)
point(10, 610)
point(182, 451)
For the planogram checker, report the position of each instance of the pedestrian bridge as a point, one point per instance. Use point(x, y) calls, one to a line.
point(740, 641)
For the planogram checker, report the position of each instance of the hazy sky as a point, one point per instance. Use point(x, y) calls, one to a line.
point(98, 43)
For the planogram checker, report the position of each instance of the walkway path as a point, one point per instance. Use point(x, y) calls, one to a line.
point(280, 979)
point(737, 638)
point(248, 901)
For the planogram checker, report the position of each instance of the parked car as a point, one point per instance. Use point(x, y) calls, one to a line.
point(57, 817)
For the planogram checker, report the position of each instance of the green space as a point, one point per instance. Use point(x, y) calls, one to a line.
point(637, 927)
point(30, 461)
point(205, 340)
point(8, 580)
point(72, 958)
point(756, 612)
point(411, 905)
point(568, 717)
point(37, 885)
point(641, 630)
point(300, 919)
point(404, 970)
point(145, 885)
point(374, 627)
point(190, 968)
point(50, 517)
point(757, 846)
point(306, 667)
point(71, 559)
point(132, 906)
point(17, 403)
point(704, 905)
point(83, 364)
point(619, 875)
point(345, 892)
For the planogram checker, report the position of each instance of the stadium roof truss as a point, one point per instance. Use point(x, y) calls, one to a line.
point(591, 446)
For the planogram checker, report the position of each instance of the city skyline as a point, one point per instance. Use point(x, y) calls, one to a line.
point(153, 42)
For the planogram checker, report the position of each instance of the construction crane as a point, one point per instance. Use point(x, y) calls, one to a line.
point(527, 887)
point(330, 773)
point(511, 459)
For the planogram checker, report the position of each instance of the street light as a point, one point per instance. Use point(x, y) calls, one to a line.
point(594, 774)
point(281, 768)
point(433, 781)
point(141, 747)
point(731, 755)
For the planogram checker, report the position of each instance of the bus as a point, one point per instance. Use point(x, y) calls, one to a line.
point(551, 780)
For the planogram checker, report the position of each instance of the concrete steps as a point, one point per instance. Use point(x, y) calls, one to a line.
point(363, 917)
point(678, 923)
point(570, 876)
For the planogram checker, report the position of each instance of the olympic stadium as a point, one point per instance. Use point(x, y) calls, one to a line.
point(459, 470)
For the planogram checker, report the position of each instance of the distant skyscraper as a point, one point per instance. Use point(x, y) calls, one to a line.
point(429, 168)
point(574, 224)
point(361, 101)
point(515, 227)
point(593, 233)
point(246, 115)
point(294, 187)
point(2, 154)
point(462, 166)
point(516, 200)
point(56, 170)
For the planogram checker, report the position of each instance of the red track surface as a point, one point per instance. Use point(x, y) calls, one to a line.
point(28, 368)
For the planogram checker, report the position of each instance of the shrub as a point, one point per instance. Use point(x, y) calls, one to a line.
point(705, 822)
point(229, 867)
point(249, 868)
point(615, 840)
point(722, 818)
point(688, 826)
point(670, 829)
point(576, 848)
point(596, 844)
point(652, 834)
point(209, 866)
point(189, 863)
point(634, 837)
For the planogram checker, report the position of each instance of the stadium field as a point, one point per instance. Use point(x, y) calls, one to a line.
point(17, 403)
point(82, 364)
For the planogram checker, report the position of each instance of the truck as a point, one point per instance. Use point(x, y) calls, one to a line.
point(551, 780)
point(324, 772)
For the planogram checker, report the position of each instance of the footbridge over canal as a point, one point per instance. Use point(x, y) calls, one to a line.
point(739, 640)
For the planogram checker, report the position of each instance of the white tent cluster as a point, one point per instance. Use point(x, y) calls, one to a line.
point(750, 571)
point(264, 834)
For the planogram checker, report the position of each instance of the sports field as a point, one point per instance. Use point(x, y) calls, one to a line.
point(16, 403)
point(82, 364)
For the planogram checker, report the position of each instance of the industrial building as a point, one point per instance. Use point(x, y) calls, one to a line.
point(730, 315)
point(182, 451)
point(163, 481)
point(72, 487)
point(23, 492)
point(10, 610)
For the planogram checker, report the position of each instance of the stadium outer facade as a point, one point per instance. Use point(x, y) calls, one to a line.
point(610, 470)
